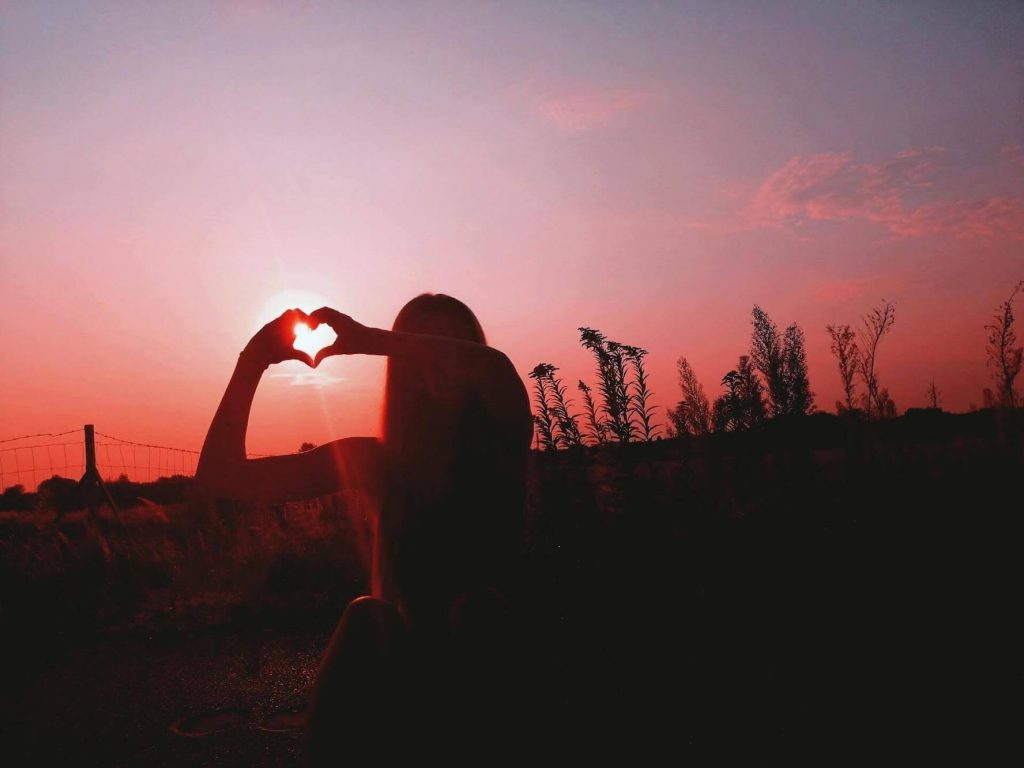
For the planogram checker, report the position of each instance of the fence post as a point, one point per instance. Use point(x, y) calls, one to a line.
point(90, 453)
point(94, 481)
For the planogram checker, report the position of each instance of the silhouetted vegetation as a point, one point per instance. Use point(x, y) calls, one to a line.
point(844, 347)
point(693, 415)
point(876, 325)
point(1003, 355)
point(782, 362)
point(611, 373)
point(598, 433)
point(544, 419)
point(622, 413)
point(639, 399)
point(742, 406)
point(800, 399)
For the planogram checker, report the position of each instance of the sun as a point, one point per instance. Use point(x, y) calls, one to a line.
point(305, 300)
point(310, 341)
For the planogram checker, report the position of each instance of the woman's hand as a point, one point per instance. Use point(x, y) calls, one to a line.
point(273, 343)
point(353, 338)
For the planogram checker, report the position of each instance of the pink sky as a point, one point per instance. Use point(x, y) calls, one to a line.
point(171, 172)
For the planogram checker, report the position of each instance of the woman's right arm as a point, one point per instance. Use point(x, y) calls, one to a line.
point(223, 468)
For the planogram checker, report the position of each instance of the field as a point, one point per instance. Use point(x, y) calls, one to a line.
point(819, 582)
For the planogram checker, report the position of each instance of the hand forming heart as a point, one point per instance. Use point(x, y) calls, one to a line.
point(312, 340)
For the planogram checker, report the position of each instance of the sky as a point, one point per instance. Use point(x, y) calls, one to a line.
point(174, 173)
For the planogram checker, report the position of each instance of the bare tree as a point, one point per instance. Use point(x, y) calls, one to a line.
point(766, 352)
point(1002, 354)
point(876, 324)
point(844, 347)
point(693, 414)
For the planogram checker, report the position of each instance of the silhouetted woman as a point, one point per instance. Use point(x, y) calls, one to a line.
point(449, 482)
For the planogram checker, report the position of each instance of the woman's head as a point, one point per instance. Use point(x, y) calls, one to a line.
point(406, 390)
point(439, 315)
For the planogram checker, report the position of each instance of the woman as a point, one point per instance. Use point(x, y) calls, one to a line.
point(449, 480)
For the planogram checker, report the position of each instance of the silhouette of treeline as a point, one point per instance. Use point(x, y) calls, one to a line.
point(769, 382)
point(62, 494)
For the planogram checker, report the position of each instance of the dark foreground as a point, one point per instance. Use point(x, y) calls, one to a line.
point(822, 589)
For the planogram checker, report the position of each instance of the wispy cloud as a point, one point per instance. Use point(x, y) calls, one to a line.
point(315, 379)
point(991, 218)
point(836, 187)
point(580, 108)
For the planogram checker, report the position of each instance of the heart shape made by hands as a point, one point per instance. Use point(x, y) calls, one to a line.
point(312, 341)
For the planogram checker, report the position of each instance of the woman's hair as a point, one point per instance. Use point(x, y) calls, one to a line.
point(405, 391)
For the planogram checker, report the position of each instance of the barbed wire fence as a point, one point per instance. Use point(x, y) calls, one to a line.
point(28, 460)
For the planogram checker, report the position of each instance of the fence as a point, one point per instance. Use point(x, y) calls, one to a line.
point(28, 460)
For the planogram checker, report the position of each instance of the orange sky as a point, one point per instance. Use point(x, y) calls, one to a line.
point(171, 172)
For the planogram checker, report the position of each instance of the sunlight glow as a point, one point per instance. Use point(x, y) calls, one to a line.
point(307, 301)
point(312, 341)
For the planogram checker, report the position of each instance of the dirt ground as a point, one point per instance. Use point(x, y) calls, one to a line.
point(145, 703)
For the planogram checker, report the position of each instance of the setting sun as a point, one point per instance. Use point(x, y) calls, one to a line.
point(310, 340)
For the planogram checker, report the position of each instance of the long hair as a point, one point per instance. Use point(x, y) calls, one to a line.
point(407, 391)
point(440, 530)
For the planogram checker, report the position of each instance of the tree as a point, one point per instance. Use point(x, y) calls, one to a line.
point(305, 447)
point(742, 406)
point(876, 324)
point(693, 415)
point(60, 494)
point(15, 498)
point(933, 396)
point(844, 347)
point(799, 398)
point(1003, 355)
point(640, 398)
point(766, 352)
point(886, 405)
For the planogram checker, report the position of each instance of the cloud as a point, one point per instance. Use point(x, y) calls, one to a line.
point(833, 187)
point(315, 379)
point(578, 109)
point(991, 218)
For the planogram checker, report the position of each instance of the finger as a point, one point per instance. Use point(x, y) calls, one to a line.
point(303, 357)
point(296, 315)
point(326, 315)
point(325, 353)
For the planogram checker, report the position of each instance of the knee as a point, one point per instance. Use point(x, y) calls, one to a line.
point(370, 620)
